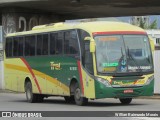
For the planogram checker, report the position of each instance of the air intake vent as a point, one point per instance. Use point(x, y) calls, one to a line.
point(48, 26)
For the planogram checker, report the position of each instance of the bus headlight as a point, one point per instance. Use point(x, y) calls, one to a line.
point(103, 81)
point(149, 80)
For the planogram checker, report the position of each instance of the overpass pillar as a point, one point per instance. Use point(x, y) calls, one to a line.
point(2, 83)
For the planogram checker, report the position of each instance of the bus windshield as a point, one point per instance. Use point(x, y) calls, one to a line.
point(123, 54)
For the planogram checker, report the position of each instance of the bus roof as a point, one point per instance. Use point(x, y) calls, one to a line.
point(91, 27)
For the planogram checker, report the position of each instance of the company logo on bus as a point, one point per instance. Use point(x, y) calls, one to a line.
point(55, 66)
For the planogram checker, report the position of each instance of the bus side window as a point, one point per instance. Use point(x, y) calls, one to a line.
point(21, 46)
point(39, 44)
point(73, 43)
point(53, 43)
point(86, 56)
point(30, 45)
point(15, 46)
point(8, 48)
point(66, 42)
point(59, 43)
point(82, 34)
point(45, 45)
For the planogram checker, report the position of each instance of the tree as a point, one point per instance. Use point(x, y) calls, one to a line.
point(153, 25)
point(144, 25)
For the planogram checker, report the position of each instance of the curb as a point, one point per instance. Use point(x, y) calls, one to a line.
point(6, 91)
point(156, 96)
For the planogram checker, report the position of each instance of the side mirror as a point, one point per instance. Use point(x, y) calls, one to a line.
point(92, 44)
point(152, 44)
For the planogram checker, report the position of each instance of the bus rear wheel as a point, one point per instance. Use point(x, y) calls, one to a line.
point(79, 100)
point(31, 98)
point(125, 100)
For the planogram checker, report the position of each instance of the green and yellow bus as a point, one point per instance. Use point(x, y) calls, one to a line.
point(80, 61)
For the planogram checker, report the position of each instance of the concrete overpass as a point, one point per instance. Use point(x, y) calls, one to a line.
point(89, 8)
point(20, 15)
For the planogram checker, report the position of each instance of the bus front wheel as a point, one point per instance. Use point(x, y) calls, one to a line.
point(125, 100)
point(79, 100)
point(29, 94)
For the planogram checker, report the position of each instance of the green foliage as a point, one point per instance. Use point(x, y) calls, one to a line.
point(143, 24)
point(153, 25)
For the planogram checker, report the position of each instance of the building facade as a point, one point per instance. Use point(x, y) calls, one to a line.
point(155, 34)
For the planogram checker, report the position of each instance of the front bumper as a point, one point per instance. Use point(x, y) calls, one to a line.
point(101, 91)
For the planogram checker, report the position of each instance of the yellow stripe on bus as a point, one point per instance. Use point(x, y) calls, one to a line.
point(17, 67)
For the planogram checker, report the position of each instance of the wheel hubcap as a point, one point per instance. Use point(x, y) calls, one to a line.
point(28, 94)
point(78, 94)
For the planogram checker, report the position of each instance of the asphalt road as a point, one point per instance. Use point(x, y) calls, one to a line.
point(17, 102)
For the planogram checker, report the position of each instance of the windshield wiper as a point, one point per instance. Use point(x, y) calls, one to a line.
point(135, 62)
point(121, 58)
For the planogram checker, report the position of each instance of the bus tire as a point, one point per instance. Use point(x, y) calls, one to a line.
point(79, 100)
point(31, 98)
point(69, 99)
point(125, 101)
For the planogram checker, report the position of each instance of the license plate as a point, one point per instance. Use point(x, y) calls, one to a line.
point(128, 91)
